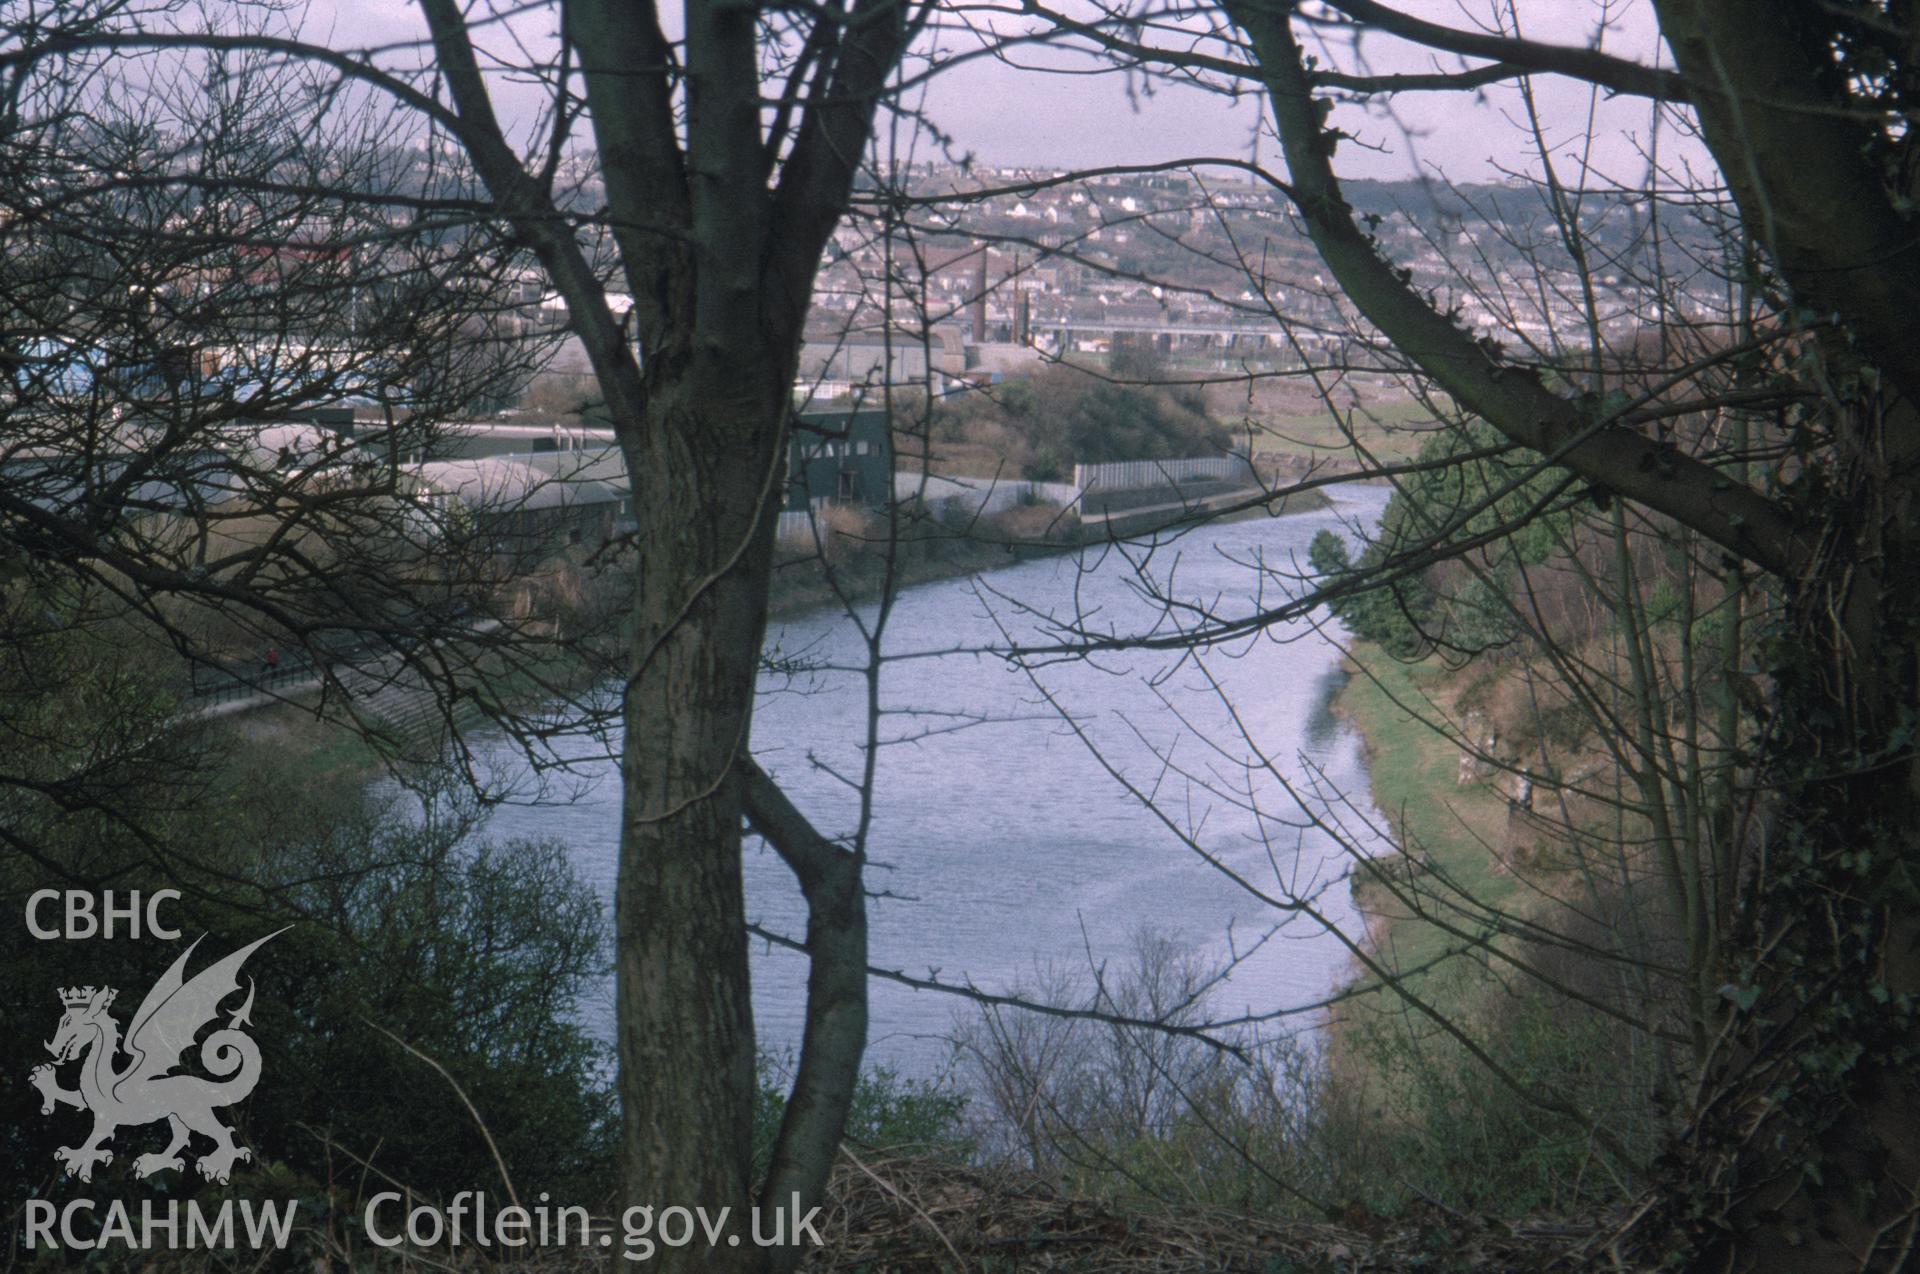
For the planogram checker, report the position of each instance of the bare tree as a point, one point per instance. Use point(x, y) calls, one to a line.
point(189, 302)
point(1799, 1133)
point(725, 157)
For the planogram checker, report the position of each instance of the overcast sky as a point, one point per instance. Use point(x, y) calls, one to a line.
point(1010, 116)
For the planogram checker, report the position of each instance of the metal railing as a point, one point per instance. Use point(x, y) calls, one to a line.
point(209, 686)
point(1127, 475)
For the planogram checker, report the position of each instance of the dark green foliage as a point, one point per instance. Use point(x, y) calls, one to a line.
point(1394, 616)
point(1093, 422)
point(474, 953)
point(401, 918)
point(471, 952)
point(1412, 590)
point(1066, 416)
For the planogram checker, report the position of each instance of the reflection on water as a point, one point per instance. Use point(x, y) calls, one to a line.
point(1322, 726)
point(1001, 844)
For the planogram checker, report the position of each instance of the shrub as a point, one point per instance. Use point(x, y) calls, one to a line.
point(403, 921)
point(1449, 606)
point(889, 1112)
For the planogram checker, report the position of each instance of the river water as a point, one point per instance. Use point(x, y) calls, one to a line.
point(1009, 856)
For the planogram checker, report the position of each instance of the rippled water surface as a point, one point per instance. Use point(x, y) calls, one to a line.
point(1003, 844)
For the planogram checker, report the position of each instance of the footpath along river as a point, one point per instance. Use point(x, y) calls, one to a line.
point(1003, 847)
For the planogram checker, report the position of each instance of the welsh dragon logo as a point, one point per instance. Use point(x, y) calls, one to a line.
point(144, 1089)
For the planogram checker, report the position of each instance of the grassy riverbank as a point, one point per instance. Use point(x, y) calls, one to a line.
point(1519, 1010)
point(1448, 834)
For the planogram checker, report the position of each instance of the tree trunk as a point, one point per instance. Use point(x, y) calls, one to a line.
point(719, 209)
point(1803, 1151)
point(1804, 1154)
point(686, 1043)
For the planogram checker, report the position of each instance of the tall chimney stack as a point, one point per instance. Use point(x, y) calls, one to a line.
point(980, 300)
point(1021, 317)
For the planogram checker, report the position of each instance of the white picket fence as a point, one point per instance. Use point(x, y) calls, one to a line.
point(1128, 475)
